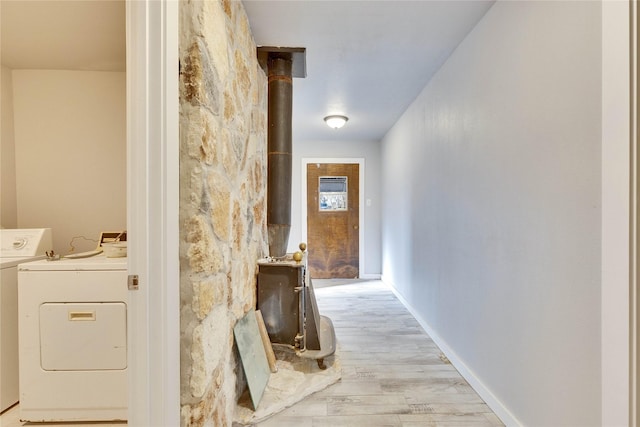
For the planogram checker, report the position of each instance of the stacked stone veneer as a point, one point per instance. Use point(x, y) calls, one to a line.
point(223, 116)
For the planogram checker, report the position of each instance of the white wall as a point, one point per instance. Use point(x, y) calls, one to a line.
point(491, 214)
point(70, 139)
point(8, 207)
point(370, 151)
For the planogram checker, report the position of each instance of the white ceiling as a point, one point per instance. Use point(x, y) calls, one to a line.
point(367, 59)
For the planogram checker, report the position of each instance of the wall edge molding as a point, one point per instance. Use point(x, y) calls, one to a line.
point(483, 391)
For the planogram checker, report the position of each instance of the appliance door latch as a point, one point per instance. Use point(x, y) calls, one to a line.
point(132, 282)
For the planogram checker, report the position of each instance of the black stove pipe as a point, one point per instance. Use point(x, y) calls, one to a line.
point(280, 102)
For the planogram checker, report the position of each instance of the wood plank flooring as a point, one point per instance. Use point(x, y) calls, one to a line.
point(393, 373)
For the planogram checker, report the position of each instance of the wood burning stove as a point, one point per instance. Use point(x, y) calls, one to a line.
point(288, 305)
point(285, 293)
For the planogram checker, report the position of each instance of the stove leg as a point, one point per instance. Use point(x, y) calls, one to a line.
point(321, 364)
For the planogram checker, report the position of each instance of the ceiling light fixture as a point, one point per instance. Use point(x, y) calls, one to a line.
point(336, 121)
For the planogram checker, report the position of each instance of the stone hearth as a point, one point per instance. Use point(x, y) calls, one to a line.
point(296, 379)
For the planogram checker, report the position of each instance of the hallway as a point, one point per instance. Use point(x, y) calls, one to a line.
point(393, 373)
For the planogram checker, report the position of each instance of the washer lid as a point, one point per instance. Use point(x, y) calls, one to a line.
point(96, 263)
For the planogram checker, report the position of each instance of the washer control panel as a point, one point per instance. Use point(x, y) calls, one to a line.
point(24, 242)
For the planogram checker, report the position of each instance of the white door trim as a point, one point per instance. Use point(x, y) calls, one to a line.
point(303, 200)
point(152, 212)
point(635, 232)
point(617, 311)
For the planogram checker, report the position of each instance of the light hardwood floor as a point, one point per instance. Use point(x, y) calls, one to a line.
point(393, 373)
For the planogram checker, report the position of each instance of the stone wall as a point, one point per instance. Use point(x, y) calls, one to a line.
point(223, 112)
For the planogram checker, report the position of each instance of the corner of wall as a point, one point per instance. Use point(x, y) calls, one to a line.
point(483, 391)
point(8, 202)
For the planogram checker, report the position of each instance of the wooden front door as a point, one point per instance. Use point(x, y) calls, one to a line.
point(333, 211)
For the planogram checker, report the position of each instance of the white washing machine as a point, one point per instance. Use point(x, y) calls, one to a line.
point(16, 246)
point(73, 339)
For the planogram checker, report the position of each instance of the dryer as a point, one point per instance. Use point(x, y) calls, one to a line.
point(73, 339)
point(16, 246)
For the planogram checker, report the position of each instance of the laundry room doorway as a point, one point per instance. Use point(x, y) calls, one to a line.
point(152, 213)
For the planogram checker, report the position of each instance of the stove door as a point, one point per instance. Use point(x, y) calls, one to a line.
point(279, 301)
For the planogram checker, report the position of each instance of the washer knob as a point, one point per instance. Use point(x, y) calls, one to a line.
point(19, 244)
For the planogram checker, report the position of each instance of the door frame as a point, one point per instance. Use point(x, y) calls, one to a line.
point(619, 204)
point(153, 323)
point(634, 258)
point(303, 201)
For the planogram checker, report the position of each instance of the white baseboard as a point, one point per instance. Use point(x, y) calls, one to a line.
point(484, 392)
point(369, 276)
